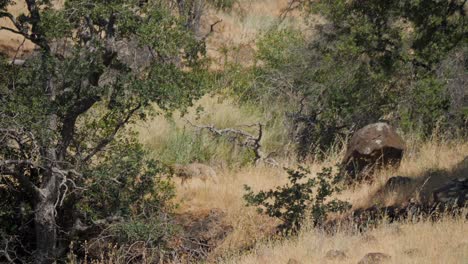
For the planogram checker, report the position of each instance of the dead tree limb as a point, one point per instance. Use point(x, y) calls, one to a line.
point(241, 138)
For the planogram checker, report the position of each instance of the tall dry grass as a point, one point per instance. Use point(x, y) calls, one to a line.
point(176, 139)
point(251, 227)
point(233, 39)
point(424, 242)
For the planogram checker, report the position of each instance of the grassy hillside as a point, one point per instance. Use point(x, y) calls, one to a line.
point(249, 227)
point(424, 242)
point(238, 28)
point(252, 238)
point(175, 140)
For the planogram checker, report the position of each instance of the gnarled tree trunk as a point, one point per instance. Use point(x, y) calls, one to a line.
point(46, 234)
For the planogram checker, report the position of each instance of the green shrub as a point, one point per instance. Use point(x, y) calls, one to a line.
point(429, 107)
point(128, 185)
point(302, 197)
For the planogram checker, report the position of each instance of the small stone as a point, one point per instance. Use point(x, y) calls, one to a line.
point(293, 261)
point(374, 258)
point(412, 252)
point(335, 255)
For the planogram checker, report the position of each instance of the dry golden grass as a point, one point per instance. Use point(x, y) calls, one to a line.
point(234, 37)
point(435, 241)
point(216, 111)
point(442, 242)
point(10, 42)
point(249, 227)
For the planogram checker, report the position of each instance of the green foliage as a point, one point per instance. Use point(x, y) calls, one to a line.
point(236, 80)
point(125, 182)
point(430, 104)
point(405, 42)
point(371, 60)
point(278, 47)
point(154, 231)
point(55, 24)
point(300, 199)
point(4, 3)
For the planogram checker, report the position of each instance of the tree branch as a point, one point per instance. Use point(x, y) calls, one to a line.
point(69, 122)
point(15, 32)
point(37, 36)
point(105, 141)
point(212, 28)
point(19, 27)
point(18, 173)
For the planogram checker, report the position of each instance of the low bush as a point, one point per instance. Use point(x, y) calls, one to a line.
point(301, 198)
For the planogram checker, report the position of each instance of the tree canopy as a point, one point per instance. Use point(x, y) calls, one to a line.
point(99, 66)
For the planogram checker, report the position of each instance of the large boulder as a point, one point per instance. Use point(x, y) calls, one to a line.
point(373, 146)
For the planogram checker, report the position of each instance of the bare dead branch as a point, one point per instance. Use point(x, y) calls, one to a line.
point(242, 138)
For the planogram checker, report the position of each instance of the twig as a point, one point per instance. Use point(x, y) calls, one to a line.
point(13, 61)
point(212, 28)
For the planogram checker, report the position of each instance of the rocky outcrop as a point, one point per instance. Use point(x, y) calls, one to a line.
point(372, 146)
point(395, 183)
point(454, 193)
